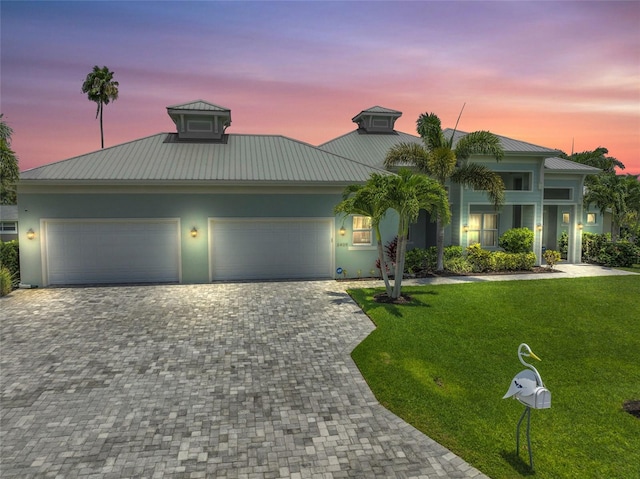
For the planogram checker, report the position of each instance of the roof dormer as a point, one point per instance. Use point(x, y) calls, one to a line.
point(200, 120)
point(377, 120)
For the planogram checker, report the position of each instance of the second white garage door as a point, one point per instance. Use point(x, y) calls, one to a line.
point(257, 248)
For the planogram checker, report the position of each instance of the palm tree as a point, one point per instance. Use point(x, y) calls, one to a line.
point(439, 159)
point(9, 171)
point(101, 88)
point(618, 193)
point(407, 194)
point(370, 199)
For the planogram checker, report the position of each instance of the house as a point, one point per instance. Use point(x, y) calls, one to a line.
point(201, 204)
point(543, 192)
point(8, 222)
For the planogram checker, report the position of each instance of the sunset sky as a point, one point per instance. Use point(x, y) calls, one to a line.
point(550, 73)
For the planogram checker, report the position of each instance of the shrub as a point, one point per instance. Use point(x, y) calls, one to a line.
point(563, 244)
point(620, 254)
point(551, 257)
point(598, 248)
point(10, 259)
point(6, 281)
point(516, 240)
point(451, 252)
point(458, 265)
point(480, 259)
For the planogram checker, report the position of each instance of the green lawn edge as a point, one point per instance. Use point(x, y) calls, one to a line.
point(444, 362)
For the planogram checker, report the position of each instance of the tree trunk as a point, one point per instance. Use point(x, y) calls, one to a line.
point(101, 132)
point(440, 244)
point(400, 255)
point(383, 263)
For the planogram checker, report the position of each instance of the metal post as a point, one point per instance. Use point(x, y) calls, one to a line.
point(527, 411)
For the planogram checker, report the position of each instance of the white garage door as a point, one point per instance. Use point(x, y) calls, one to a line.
point(91, 252)
point(290, 248)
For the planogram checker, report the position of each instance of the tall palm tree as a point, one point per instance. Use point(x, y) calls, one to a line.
point(101, 88)
point(439, 159)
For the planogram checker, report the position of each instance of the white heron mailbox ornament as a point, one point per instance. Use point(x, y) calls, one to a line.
point(528, 388)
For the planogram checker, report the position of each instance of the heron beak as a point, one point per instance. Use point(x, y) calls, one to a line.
point(534, 356)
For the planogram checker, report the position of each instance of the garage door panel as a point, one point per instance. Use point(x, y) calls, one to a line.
point(112, 252)
point(271, 249)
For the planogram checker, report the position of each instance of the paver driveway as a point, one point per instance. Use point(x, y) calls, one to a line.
point(218, 380)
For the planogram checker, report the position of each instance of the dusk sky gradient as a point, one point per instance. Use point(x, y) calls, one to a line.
point(544, 72)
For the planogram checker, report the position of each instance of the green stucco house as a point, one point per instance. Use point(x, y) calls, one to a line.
point(201, 204)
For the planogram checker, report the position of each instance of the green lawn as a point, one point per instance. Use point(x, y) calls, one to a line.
point(444, 362)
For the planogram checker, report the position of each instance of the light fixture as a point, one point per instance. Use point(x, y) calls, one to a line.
point(31, 234)
point(465, 228)
point(539, 227)
point(342, 231)
point(194, 232)
point(580, 226)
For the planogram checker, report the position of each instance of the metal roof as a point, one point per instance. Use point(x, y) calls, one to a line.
point(508, 144)
point(560, 164)
point(198, 105)
point(8, 212)
point(378, 110)
point(368, 148)
point(243, 158)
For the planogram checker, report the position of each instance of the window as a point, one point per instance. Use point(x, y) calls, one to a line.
point(483, 229)
point(566, 218)
point(557, 193)
point(591, 218)
point(9, 227)
point(362, 230)
point(516, 181)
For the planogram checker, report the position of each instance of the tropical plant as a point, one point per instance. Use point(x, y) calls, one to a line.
point(9, 171)
point(407, 194)
point(551, 257)
point(102, 89)
point(597, 158)
point(370, 199)
point(619, 194)
point(444, 158)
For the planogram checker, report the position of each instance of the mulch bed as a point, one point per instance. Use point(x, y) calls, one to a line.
point(632, 407)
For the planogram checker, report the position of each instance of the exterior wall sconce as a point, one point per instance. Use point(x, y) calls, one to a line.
point(194, 232)
point(342, 231)
point(31, 234)
point(580, 226)
point(465, 228)
point(539, 227)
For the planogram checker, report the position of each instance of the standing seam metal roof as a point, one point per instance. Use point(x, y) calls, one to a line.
point(266, 158)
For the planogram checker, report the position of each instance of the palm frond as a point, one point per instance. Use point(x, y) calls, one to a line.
point(479, 143)
point(408, 154)
point(479, 177)
point(429, 128)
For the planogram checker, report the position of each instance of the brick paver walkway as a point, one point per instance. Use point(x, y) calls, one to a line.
point(222, 380)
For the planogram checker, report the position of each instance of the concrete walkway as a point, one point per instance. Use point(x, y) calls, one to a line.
point(250, 380)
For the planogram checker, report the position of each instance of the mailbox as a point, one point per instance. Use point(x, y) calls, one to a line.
point(540, 399)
